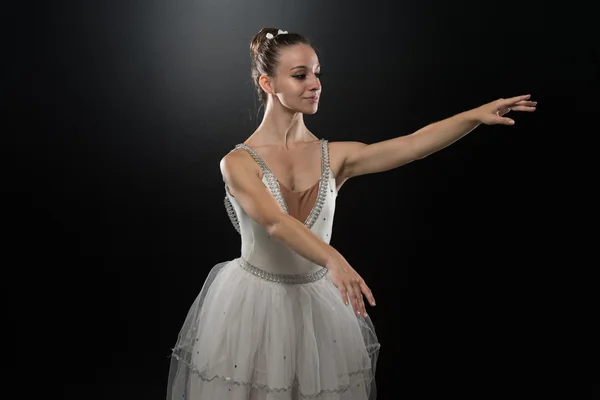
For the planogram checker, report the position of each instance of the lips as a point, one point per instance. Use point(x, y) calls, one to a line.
point(314, 98)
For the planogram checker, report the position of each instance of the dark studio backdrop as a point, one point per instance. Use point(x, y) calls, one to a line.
point(121, 111)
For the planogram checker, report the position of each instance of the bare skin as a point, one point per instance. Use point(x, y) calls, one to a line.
point(292, 153)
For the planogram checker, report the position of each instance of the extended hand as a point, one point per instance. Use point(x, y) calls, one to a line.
point(351, 285)
point(493, 113)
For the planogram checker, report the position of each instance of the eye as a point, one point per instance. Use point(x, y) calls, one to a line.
point(303, 76)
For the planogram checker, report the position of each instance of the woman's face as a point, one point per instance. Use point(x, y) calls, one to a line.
point(296, 83)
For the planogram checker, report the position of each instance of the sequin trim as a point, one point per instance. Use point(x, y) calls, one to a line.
point(282, 278)
point(368, 372)
point(231, 213)
point(272, 183)
point(274, 188)
point(323, 186)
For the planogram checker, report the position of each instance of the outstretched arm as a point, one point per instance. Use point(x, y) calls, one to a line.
point(361, 159)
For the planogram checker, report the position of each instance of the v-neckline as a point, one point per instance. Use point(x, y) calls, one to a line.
point(274, 185)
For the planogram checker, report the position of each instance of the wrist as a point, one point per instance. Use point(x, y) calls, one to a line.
point(331, 260)
point(334, 260)
point(472, 116)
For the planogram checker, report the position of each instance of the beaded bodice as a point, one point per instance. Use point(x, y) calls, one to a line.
point(261, 251)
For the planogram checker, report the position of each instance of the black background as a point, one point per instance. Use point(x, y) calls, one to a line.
point(118, 113)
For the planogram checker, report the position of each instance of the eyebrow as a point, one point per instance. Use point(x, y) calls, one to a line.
point(304, 66)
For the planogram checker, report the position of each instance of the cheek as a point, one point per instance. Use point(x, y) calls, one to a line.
point(295, 87)
point(293, 91)
point(295, 84)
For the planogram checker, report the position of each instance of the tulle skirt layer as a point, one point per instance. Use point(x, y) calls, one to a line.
point(249, 338)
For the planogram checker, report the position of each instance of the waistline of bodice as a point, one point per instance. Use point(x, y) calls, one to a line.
point(287, 279)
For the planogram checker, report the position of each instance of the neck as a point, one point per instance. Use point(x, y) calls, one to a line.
point(281, 127)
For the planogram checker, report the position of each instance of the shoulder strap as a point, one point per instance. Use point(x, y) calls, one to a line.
point(261, 163)
point(324, 155)
point(272, 183)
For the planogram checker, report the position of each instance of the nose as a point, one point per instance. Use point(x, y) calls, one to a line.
point(314, 84)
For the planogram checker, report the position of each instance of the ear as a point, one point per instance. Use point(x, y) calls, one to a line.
point(265, 83)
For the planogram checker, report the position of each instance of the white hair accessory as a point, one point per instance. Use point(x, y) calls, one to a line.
point(279, 32)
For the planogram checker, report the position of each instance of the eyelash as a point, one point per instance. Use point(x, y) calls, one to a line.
point(302, 77)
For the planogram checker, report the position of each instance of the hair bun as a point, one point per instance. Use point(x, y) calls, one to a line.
point(260, 38)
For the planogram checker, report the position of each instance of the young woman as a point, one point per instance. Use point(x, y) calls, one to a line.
point(287, 320)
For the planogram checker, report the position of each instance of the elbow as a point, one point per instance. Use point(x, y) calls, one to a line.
point(271, 228)
point(419, 155)
point(414, 154)
point(277, 225)
point(414, 150)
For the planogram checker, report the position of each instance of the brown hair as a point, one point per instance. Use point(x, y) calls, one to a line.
point(265, 54)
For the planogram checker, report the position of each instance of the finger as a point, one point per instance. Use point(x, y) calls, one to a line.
point(515, 99)
point(361, 299)
point(358, 299)
point(353, 298)
point(505, 121)
point(367, 292)
point(526, 103)
point(344, 294)
point(523, 108)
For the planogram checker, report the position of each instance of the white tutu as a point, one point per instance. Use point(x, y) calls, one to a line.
point(246, 337)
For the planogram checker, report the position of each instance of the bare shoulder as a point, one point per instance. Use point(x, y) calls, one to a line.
point(232, 160)
point(235, 163)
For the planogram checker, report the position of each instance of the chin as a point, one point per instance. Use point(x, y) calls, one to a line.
point(311, 110)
